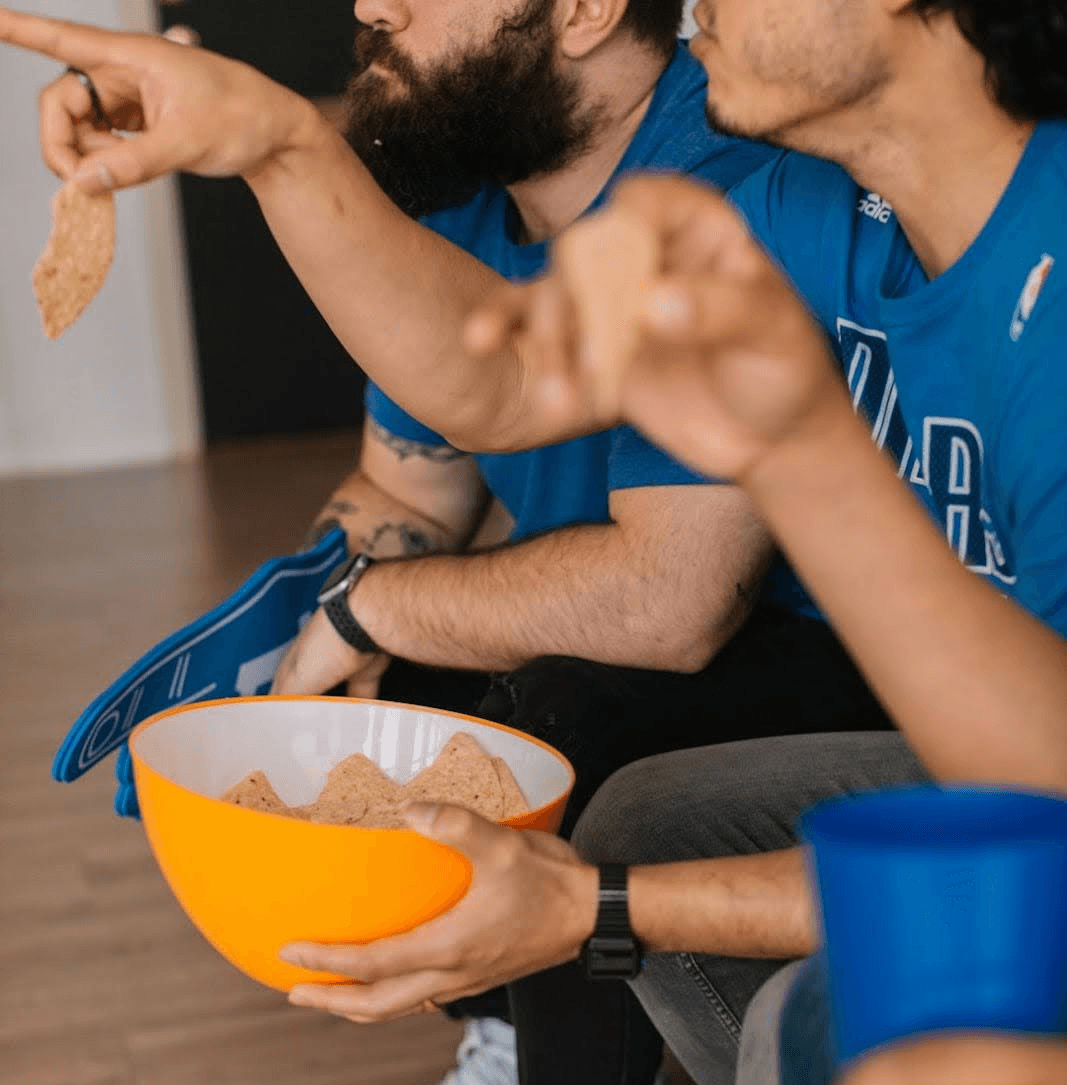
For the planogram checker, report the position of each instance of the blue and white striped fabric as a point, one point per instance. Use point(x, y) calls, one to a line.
point(232, 651)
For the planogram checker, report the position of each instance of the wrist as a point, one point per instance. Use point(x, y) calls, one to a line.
point(583, 893)
point(302, 132)
point(829, 434)
point(363, 602)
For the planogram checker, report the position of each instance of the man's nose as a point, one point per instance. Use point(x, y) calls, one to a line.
point(388, 15)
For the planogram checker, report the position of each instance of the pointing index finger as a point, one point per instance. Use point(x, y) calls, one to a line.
point(70, 43)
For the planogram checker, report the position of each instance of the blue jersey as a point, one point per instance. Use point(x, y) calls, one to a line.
point(963, 378)
point(570, 483)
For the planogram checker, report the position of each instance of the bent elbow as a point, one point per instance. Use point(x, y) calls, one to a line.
point(694, 655)
point(679, 651)
point(690, 648)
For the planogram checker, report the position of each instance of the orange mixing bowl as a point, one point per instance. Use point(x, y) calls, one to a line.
point(253, 882)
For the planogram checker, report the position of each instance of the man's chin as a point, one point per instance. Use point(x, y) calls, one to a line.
point(723, 124)
point(387, 82)
point(377, 84)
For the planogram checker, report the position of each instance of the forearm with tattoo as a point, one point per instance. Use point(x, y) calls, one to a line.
point(404, 448)
point(380, 525)
point(650, 595)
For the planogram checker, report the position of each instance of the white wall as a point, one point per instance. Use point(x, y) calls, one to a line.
point(120, 386)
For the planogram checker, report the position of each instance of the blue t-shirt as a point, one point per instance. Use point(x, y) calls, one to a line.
point(569, 483)
point(964, 377)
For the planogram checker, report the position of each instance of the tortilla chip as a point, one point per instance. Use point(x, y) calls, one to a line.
point(357, 792)
point(384, 819)
point(77, 258)
point(462, 774)
point(514, 800)
point(358, 785)
point(254, 792)
point(334, 813)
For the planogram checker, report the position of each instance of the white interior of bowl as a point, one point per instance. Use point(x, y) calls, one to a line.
point(209, 748)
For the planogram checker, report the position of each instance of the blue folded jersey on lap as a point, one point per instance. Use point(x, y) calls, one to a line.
point(232, 651)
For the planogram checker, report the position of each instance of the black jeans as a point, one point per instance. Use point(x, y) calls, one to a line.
point(781, 674)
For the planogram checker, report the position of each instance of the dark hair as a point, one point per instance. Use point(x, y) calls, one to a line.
point(655, 22)
point(1024, 43)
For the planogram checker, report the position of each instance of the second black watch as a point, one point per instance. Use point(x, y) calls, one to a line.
point(333, 598)
point(613, 952)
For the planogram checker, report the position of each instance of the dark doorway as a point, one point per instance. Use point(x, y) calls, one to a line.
point(268, 362)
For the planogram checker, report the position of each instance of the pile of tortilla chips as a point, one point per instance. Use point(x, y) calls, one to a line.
point(357, 792)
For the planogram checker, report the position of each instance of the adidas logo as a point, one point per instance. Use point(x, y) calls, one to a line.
point(873, 206)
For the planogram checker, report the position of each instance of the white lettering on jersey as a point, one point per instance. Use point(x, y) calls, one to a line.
point(948, 466)
point(1030, 293)
point(873, 206)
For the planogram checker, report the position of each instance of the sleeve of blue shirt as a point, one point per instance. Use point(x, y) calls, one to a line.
point(785, 205)
point(754, 199)
point(634, 462)
point(396, 421)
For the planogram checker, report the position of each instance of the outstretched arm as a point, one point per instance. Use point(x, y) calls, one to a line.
point(394, 292)
point(731, 374)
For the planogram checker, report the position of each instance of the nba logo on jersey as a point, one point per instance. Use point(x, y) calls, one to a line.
point(1028, 298)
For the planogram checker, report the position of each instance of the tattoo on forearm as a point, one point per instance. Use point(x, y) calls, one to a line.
point(405, 538)
point(318, 532)
point(405, 448)
point(342, 508)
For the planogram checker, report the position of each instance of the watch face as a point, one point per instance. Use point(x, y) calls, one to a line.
point(335, 582)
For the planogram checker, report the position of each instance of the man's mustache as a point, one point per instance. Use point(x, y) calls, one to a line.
point(373, 46)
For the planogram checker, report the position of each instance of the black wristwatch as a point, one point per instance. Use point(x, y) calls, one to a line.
point(612, 952)
point(334, 601)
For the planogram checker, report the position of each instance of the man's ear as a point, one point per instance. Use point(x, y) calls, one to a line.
point(587, 24)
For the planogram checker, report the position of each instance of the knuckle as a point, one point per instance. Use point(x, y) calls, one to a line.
point(507, 851)
point(52, 161)
point(362, 966)
point(454, 820)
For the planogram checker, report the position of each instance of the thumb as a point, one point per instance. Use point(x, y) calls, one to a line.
point(126, 163)
point(363, 689)
point(456, 827)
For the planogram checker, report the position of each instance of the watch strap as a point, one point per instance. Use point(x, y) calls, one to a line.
point(347, 626)
point(612, 951)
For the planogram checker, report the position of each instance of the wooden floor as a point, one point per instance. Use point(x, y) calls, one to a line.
point(103, 981)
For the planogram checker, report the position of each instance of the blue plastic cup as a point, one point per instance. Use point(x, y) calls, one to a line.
point(942, 909)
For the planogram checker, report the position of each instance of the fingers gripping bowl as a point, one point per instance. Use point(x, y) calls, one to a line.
point(253, 881)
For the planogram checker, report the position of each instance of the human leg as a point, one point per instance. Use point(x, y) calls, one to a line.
point(785, 1036)
point(733, 799)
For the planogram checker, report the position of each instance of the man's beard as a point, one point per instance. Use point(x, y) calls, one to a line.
point(497, 116)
